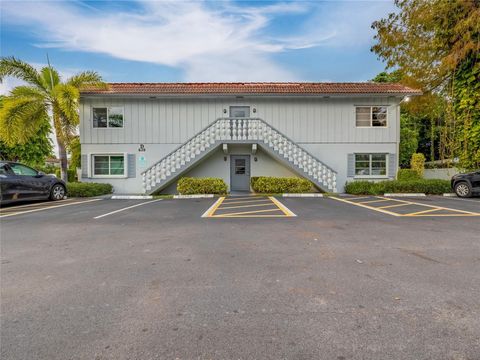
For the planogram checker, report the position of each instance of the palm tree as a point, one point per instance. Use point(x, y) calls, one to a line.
point(44, 98)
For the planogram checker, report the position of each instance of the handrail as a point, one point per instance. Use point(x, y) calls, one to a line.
point(236, 118)
point(179, 147)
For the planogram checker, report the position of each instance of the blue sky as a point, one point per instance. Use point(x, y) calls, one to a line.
point(150, 41)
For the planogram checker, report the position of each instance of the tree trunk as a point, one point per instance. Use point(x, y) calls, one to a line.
point(62, 150)
point(62, 156)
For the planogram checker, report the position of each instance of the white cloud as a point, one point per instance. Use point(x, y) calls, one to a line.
point(209, 41)
point(217, 38)
point(349, 22)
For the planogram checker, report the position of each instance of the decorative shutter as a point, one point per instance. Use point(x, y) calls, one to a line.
point(392, 166)
point(351, 165)
point(132, 166)
point(84, 166)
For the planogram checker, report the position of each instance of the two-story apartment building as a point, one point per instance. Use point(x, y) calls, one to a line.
point(142, 137)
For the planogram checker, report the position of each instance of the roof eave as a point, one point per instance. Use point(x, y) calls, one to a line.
point(173, 95)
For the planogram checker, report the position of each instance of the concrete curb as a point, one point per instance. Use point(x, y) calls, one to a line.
point(449, 194)
point(195, 196)
point(303, 195)
point(405, 195)
point(131, 197)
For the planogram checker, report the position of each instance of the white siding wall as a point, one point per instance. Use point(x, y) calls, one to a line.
point(305, 120)
point(324, 127)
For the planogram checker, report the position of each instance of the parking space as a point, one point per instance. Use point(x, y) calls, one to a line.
point(107, 279)
point(430, 207)
point(248, 207)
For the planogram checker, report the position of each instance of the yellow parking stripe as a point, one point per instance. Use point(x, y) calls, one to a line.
point(423, 212)
point(245, 201)
point(282, 207)
point(222, 205)
point(362, 197)
point(431, 208)
point(243, 206)
point(391, 206)
point(250, 216)
point(214, 207)
point(247, 212)
point(365, 206)
point(234, 198)
point(373, 201)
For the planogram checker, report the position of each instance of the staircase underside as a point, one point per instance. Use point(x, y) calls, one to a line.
point(238, 131)
point(218, 144)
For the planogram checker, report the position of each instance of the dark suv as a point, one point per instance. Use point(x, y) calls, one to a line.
point(466, 185)
point(19, 182)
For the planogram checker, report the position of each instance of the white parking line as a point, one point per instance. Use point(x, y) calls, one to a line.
point(126, 208)
point(47, 208)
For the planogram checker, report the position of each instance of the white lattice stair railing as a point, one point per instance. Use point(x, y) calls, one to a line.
point(238, 130)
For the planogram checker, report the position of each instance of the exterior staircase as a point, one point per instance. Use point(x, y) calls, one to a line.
point(238, 131)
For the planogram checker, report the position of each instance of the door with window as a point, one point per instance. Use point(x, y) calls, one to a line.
point(240, 172)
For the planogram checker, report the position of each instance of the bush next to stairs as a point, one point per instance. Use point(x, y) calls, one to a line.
point(278, 185)
point(191, 186)
point(84, 189)
point(427, 186)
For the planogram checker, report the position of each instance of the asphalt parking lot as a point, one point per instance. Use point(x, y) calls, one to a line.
point(131, 279)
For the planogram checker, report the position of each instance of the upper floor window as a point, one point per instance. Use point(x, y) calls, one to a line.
point(107, 117)
point(240, 111)
point(371, 116)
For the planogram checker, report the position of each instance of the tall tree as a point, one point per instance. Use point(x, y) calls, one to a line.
point(436, 45)
point(45, 96)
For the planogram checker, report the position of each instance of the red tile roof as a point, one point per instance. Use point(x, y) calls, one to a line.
point(264, 88)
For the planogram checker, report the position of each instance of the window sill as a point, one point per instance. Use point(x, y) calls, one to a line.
point(371, 127)
point(366, 177)
point(109, 176)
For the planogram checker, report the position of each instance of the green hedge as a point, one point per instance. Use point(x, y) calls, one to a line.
point(427, 186)
point(71, 174)
point(278, 185)
point(408, 175)
point(84, 189)
point(189, 186)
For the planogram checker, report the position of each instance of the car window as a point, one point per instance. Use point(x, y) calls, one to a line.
point(3, 169)
point(19, 169)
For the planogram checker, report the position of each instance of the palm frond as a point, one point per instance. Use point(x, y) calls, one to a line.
point(20, 119)
point(11, 66)
point(66, 98)
point(27, 92)
point(50, 77)
point(87, 79)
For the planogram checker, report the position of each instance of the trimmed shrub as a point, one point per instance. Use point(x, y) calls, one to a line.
point(84, 189)
point(417, 163)
point(427, 186)
point(190, 186)
point(408, 175)
point(277, 185)
point(71, 174)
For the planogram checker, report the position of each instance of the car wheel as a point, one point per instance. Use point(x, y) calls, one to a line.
point(57, 192)
point(463, 189)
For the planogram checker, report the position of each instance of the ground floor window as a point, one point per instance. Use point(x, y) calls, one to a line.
point(370, 164)
point(108, 165)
